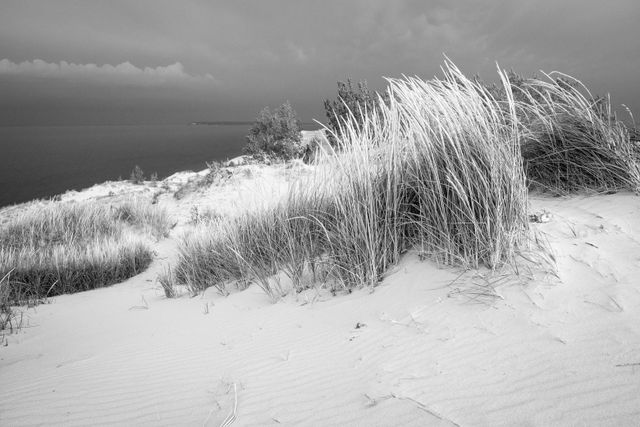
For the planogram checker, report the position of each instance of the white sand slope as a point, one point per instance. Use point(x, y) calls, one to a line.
point(427, 347)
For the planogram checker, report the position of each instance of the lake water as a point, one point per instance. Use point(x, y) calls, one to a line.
point(42, 161)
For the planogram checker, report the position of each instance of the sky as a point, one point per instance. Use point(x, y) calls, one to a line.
point(82, 62)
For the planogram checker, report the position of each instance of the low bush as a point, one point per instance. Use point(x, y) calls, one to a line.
point(71, 247)
point(137, 175)
point(275, 135)
point(353, 104)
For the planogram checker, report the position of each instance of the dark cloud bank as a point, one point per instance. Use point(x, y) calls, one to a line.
point(90, 62)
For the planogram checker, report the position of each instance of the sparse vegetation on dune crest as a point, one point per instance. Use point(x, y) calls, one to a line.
point(438, 167)
point(71, 247)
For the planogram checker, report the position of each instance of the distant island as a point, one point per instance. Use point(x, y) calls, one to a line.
point(233, 122)
point(221, 122)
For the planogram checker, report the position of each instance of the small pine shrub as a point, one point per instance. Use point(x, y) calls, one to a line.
point(137, 175)
point(353, 105)
point(275, 135)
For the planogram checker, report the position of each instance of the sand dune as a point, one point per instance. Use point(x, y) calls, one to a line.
point(429, 346)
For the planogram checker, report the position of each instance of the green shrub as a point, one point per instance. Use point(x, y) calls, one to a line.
point(275, 134)
point(352, 105)
point(137, 175)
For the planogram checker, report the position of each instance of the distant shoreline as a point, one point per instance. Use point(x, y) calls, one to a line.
point(44, 161)
point(221, 122)
point(232, 123)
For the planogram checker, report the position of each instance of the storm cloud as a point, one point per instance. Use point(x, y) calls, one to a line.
point(208, 60)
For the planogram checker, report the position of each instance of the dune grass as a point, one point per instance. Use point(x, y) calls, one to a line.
point(252, 246)
point(572, 141)
point(438, 168)
point(70, 247)
point(10, 318)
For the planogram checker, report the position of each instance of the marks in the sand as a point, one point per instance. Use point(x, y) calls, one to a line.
point(224, 396)
point(74, 360)
point(495, 382)
point(432, 418)
point(411, 353)
point(599, 262)
point(21, 359)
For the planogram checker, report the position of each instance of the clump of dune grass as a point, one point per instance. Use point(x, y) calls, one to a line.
point(168, 283)
point(572, 141)
point(70, 247)
point(437, 168)
point(216, 174)
point(253, 246)
point(10, 317)
point(440, 170)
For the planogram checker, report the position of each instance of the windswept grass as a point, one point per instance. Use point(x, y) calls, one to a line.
point(572, 140)
point(438, 168)
point(71, 247)
point(254, 246)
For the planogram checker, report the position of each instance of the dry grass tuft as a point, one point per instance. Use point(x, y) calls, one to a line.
point(573, 141)
point(10, 318)
point(71, 247)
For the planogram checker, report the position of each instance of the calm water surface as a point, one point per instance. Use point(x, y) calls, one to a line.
point(44, 161)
